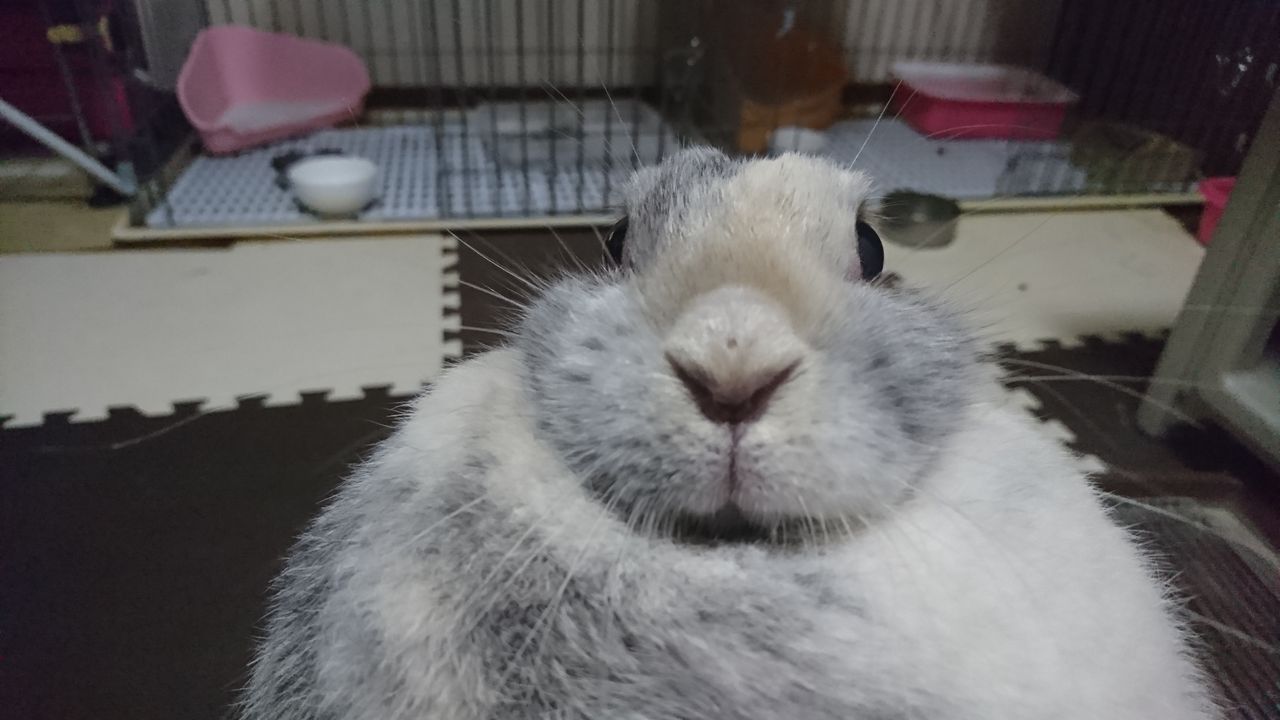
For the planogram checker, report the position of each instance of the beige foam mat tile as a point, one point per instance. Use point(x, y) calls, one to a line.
point(55, 226)
point(145, 329)
point(1024, 277)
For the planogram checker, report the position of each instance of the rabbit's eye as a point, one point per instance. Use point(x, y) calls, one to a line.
point(617, 238)
point(870, 251)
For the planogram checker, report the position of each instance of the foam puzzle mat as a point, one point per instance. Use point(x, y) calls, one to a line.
point(81, 334)
point(1022, 278)
point(147, 572)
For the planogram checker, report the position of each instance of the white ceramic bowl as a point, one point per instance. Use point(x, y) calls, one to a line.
point(334, 185)
point(796, 139)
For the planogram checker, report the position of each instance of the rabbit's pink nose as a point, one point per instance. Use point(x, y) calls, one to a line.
point(741, 401)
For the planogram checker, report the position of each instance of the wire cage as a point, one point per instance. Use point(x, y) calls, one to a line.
point(55, 71)
point(540, 108)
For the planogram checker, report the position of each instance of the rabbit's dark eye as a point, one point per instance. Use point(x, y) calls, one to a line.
point(870, 251)
point(617, 238)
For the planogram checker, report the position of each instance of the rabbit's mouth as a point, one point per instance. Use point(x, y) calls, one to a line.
point(727, 525)
point(729, 513)
point(731, 526)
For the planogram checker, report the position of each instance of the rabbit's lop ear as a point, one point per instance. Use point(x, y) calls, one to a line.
point(617, 240)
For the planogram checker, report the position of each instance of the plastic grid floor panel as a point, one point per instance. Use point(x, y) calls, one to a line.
point(899, 158)
point(241, 190)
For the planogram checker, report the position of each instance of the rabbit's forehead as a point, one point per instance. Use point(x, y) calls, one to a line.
point(675, 201)
point(797, 200)
point(785, 226)
point(799, 183)
point(701, 196)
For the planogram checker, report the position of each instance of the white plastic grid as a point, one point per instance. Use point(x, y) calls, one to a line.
point(241, 190)
point(899, 158)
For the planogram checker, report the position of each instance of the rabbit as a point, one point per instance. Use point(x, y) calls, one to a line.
point(733, 476)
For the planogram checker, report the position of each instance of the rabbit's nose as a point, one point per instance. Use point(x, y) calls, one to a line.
point(741, 401)
point(732, 348)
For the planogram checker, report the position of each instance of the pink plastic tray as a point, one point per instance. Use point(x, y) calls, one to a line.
point(1216, 191)
point(242, 87)
point(950, 100)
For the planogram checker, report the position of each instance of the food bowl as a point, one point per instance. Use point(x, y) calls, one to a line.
point(334, 185)
point(915, 220)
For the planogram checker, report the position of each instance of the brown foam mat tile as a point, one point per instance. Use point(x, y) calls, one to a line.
point(1230, 582)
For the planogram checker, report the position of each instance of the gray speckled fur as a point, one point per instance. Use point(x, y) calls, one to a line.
point(595, 658)
point(891, 416)
point(502, 555)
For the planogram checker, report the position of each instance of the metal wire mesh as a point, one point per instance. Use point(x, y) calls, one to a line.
point(577, 94)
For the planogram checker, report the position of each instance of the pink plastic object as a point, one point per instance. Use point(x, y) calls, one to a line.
point(952, 100)
point(241, 87)
point(1215, 192)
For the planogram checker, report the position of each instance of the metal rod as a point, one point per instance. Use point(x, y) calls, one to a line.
point(1193, 90)
point(868, 47)
point(886, 47)
point(961, 32)
point(68, 81)
point(664, 95)
point(984, 42)
point(554, 176)
point(416, 49)
point(637, 100)
point(918, 22)
point(108, 90)
point(459, 67)
point(1138, 105)
point(443, 194)
point(372, 48)
point(1058, 44)
point(322, 22)
point(582, 104)
point(169, 215)
point(418, 55)
point(1252, 32)
point(1120, 93)
point(609, 44)
point(395, 51)
point(345, 23)
point(54, 142)
point(1113, 38)
point(492, 34)
point(939, 46)
point(526, 206)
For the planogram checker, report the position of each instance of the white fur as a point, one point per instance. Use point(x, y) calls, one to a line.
point(1008, 599)
point(518, 548)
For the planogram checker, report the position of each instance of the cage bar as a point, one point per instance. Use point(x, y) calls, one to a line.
point(542, 107)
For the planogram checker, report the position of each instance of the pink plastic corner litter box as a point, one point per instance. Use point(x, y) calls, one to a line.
point(952, 100)
point(242, 87)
